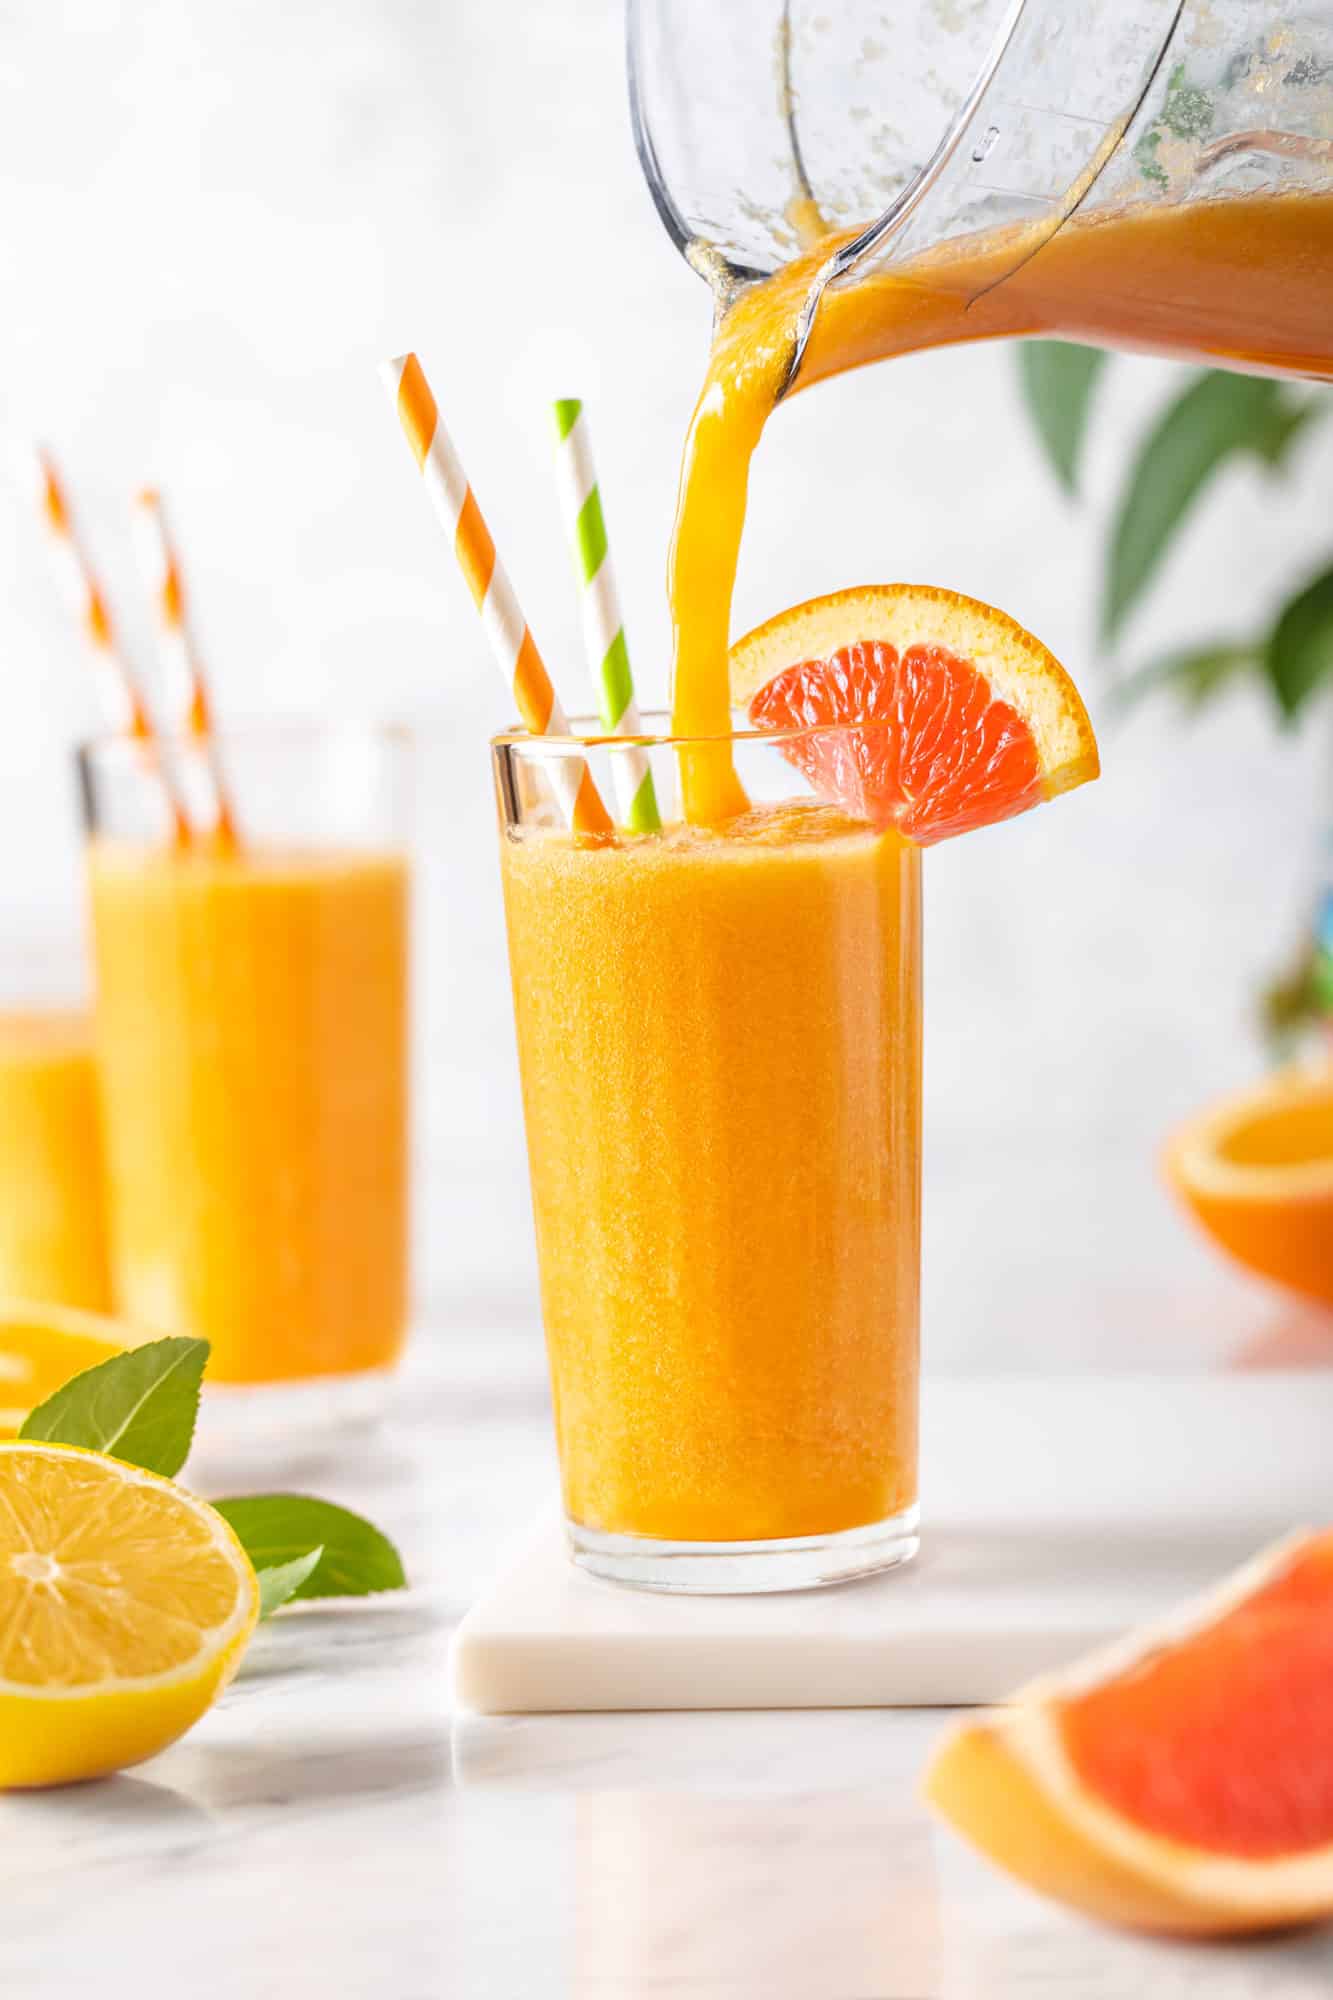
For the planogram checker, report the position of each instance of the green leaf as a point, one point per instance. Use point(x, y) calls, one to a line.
point(139, 1406)
point(1299, 655)
point(1058, 380)
point(1217, 416)
point(280, 1528)
point(1289, 421)
point(1195, 673)
point(283, 1580)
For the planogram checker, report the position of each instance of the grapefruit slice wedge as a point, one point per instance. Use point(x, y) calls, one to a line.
point(923, 709)
point(1182, 1782)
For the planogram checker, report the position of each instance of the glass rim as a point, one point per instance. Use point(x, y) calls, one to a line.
point(118, 747)
point(577, 740)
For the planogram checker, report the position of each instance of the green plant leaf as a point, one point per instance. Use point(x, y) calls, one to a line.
point(279, 1528)
point(1058, 380)
point(1291, 418)
point(1299, 655)
point(1194, 673)
point(140, 1406)
point(283, 1580)
point(1217, 416)
point(1292, 1001)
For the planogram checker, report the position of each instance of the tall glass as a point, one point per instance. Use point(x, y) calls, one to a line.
point(52, 1200)
point(719, 1040)
point(251, 1022)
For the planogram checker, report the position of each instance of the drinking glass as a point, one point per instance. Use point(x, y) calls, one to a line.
point(52, 1199)
point(719, 1044)
point(252, 1042)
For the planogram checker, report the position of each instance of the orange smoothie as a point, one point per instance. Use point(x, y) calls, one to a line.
point(252, 1042)
point(52, 1195)
point(719, 1039)
point(1241, 281)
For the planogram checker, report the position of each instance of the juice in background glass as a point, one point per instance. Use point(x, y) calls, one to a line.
point(719, 1040)
point(251, 1022)
point(52, 1196)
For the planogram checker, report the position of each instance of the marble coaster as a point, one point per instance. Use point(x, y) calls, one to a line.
point(1056, 1514)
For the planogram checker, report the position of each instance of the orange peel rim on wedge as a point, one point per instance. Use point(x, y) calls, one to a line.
point(1018, 667)
point(1005, 1782)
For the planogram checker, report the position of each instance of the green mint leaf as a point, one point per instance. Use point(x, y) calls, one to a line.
point(1195, 673)
point(279, 1528)
point(1058, 380)
point(139, 1406)
point(1216, 417)
point(283, 1580)
point(1299, 655)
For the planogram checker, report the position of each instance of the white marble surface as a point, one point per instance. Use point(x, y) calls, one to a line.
point(330, 1829)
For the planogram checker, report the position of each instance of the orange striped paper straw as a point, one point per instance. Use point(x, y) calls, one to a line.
point(188, 706)
point(124, 711)
point(511, 641)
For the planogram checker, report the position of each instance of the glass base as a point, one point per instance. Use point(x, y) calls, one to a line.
point(275, 1425)
point(736, 1569)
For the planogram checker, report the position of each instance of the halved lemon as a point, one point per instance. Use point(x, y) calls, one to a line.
point(41, 1346)
point(1257, 1172)
point(967, 718)
point(125, 1607)
point(1182, 1782)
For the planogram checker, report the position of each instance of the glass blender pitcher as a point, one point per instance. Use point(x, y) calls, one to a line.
point(969, 148)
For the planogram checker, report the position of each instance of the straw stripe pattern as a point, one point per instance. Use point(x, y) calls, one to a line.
point(119, 699)
point(511, 641)
point(603, 626)
point(189, 709)
point(124, 711)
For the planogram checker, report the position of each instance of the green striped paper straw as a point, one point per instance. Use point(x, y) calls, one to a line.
point(603, 627)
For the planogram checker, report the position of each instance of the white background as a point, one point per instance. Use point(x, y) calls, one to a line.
point(219, 214)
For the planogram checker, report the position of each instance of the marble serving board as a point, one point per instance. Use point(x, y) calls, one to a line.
point(1056, 1513)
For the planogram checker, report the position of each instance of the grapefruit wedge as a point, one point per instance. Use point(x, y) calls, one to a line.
point(918, 708)
point(1181, 1783)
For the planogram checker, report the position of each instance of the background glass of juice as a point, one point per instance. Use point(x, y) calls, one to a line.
point(720, 1049)
point(252, 1043)
point(53, 1245)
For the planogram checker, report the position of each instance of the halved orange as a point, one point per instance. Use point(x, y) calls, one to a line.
point(1257, 1172)
point(1184, 1781)
point(929, 711)
point(42, 1345)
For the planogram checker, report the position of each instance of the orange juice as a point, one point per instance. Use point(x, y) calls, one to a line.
point(251, 1027)
point(1242, 281)
point(719, 1039)
point(52, 1200)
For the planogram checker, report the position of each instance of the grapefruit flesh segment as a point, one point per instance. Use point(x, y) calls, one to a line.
point(933, 751)
point(1182, 1783)
point(1224, 1744)
point(915, 708)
